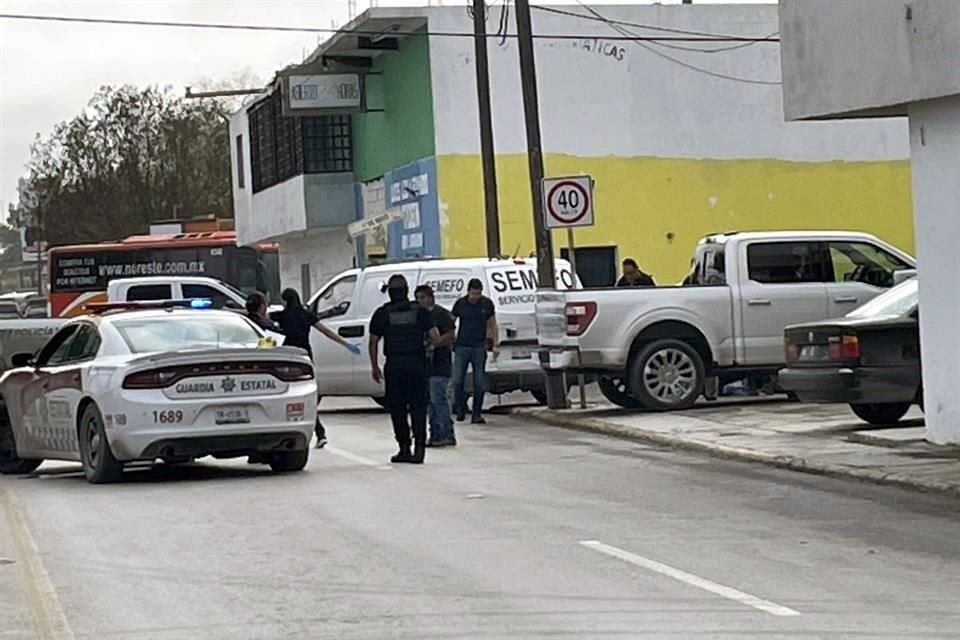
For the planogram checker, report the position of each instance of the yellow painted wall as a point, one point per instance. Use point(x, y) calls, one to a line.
point(640, 201)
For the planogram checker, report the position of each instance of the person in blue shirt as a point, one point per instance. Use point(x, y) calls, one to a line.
point(295, 323)
point(477, 322)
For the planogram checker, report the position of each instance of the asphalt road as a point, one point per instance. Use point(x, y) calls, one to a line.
point(524, 531)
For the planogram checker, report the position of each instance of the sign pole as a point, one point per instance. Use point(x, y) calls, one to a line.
point(556, 386)
point(572, 254)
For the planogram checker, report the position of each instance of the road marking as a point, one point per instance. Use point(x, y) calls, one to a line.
point(702, 583)
point(46, 613)
point(358, 459)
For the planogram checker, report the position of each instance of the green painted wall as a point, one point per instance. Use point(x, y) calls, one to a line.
point(403, 132)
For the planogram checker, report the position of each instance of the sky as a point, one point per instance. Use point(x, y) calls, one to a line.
point(49, 71)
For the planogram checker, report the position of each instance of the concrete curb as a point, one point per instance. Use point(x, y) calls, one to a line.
point(794, 463)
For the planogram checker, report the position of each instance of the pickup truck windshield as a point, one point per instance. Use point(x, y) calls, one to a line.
point(148, 335)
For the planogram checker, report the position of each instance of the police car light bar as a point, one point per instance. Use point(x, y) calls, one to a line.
point(97, 308)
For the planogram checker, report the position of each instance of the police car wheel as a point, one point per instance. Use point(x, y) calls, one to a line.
point(10, 463)
point(99, 464)
point(288, 461)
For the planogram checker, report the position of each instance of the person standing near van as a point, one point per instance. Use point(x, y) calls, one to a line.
point(439, 367)
point(295, 323)
point(404, 327)
point(478, 320)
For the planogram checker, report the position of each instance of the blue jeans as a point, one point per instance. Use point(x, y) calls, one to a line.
point(441, 422)
point(475, 357)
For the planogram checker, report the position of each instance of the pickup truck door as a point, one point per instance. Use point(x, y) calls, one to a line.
point(781, 284)
point(334, 365)
point(858, 272)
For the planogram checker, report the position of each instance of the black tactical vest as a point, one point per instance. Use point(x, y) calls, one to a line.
point(404, 336)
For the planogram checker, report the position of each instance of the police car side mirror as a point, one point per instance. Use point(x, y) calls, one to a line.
point(21, 360)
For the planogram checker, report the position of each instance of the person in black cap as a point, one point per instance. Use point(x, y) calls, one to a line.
point(403, 326)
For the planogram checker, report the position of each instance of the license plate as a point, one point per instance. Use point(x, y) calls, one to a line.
point(815, 352)
point(521, 354)
point(233, 415)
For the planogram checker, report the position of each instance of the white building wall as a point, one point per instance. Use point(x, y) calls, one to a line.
point(935, 149)
point(328, 252)
point(603, 97)
point(242, 198)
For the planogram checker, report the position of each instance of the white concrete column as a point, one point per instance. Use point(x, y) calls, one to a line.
point(935, 161)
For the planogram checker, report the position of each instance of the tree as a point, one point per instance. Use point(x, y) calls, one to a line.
point(133, 156)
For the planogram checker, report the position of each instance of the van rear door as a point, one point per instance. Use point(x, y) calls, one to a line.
point(512, 285)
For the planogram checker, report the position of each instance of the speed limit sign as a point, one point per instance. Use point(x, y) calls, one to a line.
point(568, 202)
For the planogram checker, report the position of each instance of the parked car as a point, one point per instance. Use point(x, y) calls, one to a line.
point(658, 347)
point(869, 359)
point(142, 385)
point(348, 301)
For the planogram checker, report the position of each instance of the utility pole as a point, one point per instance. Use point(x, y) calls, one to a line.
point(556, 386)
point(487, 153)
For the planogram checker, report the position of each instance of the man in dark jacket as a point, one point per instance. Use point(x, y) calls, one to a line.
point(403, 326)
point(633, 276)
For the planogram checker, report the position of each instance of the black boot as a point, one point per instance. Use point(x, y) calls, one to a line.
point(403, 455)
point(419, 453)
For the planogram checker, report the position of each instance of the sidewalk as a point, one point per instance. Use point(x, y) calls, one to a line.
point(821, 439)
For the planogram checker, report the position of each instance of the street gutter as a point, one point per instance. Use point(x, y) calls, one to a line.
point(880, 476)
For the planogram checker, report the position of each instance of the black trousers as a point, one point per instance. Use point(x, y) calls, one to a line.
point(407, 398)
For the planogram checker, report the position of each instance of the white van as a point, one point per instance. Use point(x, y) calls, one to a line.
point(348, 301)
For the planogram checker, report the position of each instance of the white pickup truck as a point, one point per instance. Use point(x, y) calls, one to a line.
point(662, 348)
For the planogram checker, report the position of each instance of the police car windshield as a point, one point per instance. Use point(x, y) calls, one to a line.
point(899, 301)
point(176, 332)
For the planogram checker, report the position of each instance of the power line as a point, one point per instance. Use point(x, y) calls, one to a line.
point(742, 45)
point(383, 33)
point(687, 65)
point(651, 27)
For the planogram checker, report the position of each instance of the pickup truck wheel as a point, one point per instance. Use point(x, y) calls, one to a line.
point(615, 389)
point(667, 374)
point(881, 413)
point(10, 463)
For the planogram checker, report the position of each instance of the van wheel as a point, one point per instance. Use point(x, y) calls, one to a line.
point(881, 413)
point(10, 463)
point(615, 389)
point(99, 464)
point(667, 375)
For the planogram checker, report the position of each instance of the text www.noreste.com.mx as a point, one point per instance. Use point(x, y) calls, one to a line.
point(152, 268)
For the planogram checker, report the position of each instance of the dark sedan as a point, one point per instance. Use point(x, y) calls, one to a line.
point(869, 359)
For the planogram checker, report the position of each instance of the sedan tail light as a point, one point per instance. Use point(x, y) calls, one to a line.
point(292, 371)
point(791, 350)
point(844, 348)
point(580, 316)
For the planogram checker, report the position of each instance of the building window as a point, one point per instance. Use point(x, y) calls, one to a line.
point(327, 144)
point(284, 147)
point(241, 181)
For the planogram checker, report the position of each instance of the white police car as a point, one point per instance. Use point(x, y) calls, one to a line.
point(142, 382)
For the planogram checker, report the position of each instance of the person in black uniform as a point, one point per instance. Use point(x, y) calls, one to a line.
point(295, 323)
point(403, 325)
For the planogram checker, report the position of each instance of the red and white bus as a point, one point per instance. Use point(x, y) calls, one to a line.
point(79, 274)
